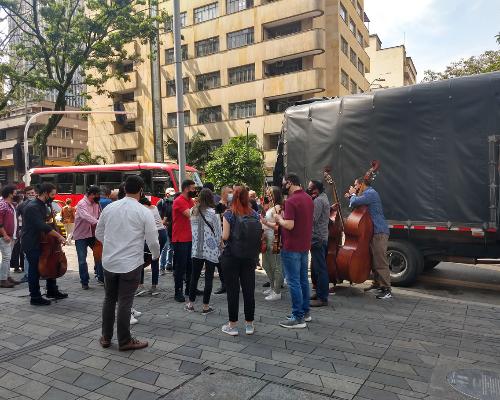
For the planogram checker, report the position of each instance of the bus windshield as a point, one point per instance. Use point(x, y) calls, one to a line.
point(195, 176)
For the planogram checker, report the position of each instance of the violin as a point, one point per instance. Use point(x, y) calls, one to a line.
point(53, 263)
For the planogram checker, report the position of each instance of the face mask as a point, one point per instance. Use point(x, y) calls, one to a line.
point(49, 201)
point(230, 197)
point(192, 194)
point(96, 199)
point(285, 188)
point(310, 192)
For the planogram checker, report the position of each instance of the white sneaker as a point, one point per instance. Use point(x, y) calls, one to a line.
point(273, 296)
point(136, 313)
point(133, 321)
point(267, 291)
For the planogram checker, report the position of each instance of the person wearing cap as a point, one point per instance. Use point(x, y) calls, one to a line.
point(165, 207)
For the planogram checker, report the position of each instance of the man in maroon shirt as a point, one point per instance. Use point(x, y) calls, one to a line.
point(296, 235)
point(182, 238)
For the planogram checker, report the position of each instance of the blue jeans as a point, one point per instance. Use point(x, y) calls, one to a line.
point(81, 251)
point(33, 257)
point(167, 254)
point(320, 269)
point(295, 265)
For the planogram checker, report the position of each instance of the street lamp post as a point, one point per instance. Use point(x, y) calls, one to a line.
point(247, 124)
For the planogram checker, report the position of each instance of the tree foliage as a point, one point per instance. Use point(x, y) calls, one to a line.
point(60, 40)
point(86, 158)
point(232, 164)
point(198, 150)
point(489, 61)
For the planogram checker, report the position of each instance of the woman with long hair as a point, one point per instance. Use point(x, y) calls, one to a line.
point(270, 261)
point(238, 263)
point(206, 246)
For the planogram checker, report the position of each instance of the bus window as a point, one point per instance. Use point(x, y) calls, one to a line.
point(35, 180)
point(144, 174)
point(47, 178)
point(189, 175)
point(90, 179)
point(159, 187)
point(110, 179)
point(79, 183)
point(65, 183)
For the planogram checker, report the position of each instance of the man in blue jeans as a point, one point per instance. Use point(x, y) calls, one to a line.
point(296, 234)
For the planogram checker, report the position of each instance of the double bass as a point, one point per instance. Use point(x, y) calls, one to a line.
point(53, 263)
point(352, 260)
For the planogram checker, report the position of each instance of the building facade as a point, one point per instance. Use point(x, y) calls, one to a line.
point(65, 142)
point(244, 63)
point(390, 67)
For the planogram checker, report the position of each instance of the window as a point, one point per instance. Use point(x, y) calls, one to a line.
point(352, 26)
point(240, 38)
point(110, 179)
point(343, 12)
point(65, 183)
point(3, 134)
point(280, 105)
point(361, 67)
point(79, 183)
point(238, 5)
point(359, 38)
point(206, 47)
point(67, 133)
point(354, 58)
point(354, 87)
point(284, 67)
point(246, 73)
point(244, 109)
point(208, 81)
point(171, 86)
point(126, 67)
point(129, 126)
point(172, 119)
point(283, 30)
point(209, 114)
point(271, 141)
point(59, 152)
point(344, 79)
point(128, 97)
point(359, 9)
point(169, 25)
point(205, 13)
point(344, 46)
point(169, 54)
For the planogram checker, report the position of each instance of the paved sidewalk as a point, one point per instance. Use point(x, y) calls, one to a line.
point(357, 348)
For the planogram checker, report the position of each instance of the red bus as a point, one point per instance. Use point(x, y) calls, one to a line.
point(71, 182)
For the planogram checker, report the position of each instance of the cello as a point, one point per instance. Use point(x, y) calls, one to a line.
point(53, 263)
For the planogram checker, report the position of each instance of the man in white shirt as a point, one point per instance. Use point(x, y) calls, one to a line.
point(122, 228)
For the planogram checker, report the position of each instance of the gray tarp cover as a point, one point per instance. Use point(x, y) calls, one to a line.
point(431, 140)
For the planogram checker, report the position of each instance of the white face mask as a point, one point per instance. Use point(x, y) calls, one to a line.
point(230, 197)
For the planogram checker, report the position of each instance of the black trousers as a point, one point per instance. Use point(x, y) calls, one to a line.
point(221, 275)
point(239, 271)
point(182, 265)
point(17, 258)
point(195, 276)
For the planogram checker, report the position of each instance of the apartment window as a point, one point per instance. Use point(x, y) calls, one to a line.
point(171, 86)
point(284, 30)
point(280, 105)
point(354, 58)
point(244, 109)
point(354, 87)
point(126, 67)
point(209, 114)
point(359, 38)
point(169, 25)
point(361, 67)
point(172, 119)
point(238, 5)
point(208, 81)
point(58, 152)
point(344, 46)
point(343, 12)
point(205, 13)
point(67, 133)
point(129, 127)
point(3, 134)
point(246, 73)
point(127, 97)
point(169, 54)
point(359, 9)
point(344, 79)
point(352, 26)
point(240, 38)
point(271, 141)
point(206, 47)
point(284, 67)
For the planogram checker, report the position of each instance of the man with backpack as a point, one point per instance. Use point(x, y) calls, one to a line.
point(165, 207)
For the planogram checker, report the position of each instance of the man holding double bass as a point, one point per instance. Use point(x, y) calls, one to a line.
point(362, 194)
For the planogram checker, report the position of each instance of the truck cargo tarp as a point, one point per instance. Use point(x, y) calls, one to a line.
point(431, 140)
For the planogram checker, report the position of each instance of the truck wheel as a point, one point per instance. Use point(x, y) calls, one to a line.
point(405, 262)
point(430, 264)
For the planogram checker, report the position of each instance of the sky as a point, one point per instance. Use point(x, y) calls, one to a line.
point(436, 32)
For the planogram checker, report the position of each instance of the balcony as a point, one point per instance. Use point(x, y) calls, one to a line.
point(289, 11)
point(120, 86)
point(124, 141)
point(295, 83)
point(8, 144)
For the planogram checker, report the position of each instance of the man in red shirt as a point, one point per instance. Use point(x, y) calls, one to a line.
point(296, 235)
point(181, 237)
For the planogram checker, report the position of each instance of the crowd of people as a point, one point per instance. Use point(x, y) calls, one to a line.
point(191, 234)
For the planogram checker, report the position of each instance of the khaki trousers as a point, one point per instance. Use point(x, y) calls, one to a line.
point(380, 265)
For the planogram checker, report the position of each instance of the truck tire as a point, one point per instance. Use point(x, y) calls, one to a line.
point(405, 262)
point(430, 264)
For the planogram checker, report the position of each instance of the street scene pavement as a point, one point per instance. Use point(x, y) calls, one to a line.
point(356, 348)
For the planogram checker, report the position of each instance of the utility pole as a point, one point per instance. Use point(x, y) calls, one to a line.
point(179, 92)
point(156, 91)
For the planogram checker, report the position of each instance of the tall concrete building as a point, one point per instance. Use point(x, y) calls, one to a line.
point(245, 62)
point(390, 67)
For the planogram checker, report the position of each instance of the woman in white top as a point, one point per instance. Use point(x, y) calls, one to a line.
point(206, 247)
point(272, 262)
point(155, 264)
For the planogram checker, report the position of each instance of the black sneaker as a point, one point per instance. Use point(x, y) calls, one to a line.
point(39, 301)
point(57, 295)
point(372, 287)
point(209, 310)
point(384, 294)
point(180, 298)
point(221, 290)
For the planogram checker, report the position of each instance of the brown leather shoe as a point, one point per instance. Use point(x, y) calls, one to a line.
point(105, 343)
point(133, 344)
point(13, 281)
point(318, 303)
point(6, 284)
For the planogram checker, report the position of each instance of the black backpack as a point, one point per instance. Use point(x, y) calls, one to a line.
point(246, 236)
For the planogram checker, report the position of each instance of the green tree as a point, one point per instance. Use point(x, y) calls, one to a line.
point(198, 150)
point(86, 158)
point(60, 40)
point(489, 61)
point(235, 163)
